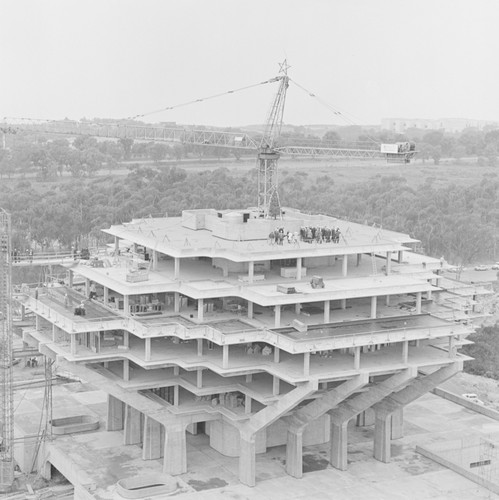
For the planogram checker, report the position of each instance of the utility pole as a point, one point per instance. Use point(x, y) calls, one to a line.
point(6, 386)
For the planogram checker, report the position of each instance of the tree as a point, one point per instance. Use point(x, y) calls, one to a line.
point(436, 154)
point(127, 144)
point(331, 136)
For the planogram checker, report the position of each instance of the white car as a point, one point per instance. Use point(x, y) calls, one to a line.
point(481, 267)
point(495, 266)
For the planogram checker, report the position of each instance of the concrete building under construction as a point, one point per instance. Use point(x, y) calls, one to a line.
point(252, 332)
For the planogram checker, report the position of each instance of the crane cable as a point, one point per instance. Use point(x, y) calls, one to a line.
point(168, 108)
point(332, 108)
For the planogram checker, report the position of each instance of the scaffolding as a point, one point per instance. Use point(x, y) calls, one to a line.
point(6, 386)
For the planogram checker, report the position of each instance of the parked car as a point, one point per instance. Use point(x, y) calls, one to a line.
point(495, 266)
point(481, 267)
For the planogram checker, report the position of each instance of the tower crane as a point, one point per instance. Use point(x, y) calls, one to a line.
point(267, 148)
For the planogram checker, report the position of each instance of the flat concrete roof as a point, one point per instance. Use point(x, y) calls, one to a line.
point(171, 236)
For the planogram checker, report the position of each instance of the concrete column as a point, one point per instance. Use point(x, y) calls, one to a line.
point(151, 448)
point(359, 259)
point(418, 303)
point(154, 260)
point(294, 453)
point(250, 309)
point(106, 295)
point(374, 301)
point(176, 395)
point(275, 386)
point(176, 302)
point(327, 311)
point(277, 353)
point(247, 460)
point(365, 418)
point(200, 309)
point(199, 378)
point(339, 441)
point(147, 353)
point(343, 303)
point(428, 294)
point(356, 358)
point(54, 332)
point(398, 424)
point(176, 273)
point(344, 266)
point(73, 345)
point(400, 257)
point(133, 434)
point(405, 351)
point(251, 271)
point(249, 377)
point(225, 356)
point(23, 312)
point(200, 347)
point(126, 370)
point(115, 413)
point(387, 300)
point(126, 304)
point(297, 308)
point(116, 244)
point(70, 278)
point(87, 287)
point(277, 316)
point(175, 454)
point(37, 322)
point(382, 437)
point(306, 363)
point(388, 263)
point(126, 339)
point(247, 404)
point(298, 268)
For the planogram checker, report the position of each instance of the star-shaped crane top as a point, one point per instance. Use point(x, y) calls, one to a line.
point(283, 67)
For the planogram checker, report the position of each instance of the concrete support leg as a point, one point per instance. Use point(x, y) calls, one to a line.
point(298, 268)
point(199, 378)
point(339, 441)
point(176, 302)
point(251, 271)
point(359, 259)
point(343, 303)
point(306, 363)
point(87, 287)
point(73, 345)
point(275, 386)
point(200, 347)
point(126, 370)
point(294, 453)
point(115, 413)
point(247, 404)
point(277, 353)
point(405, 351)
point(398, 424)
point(147, 353)
point(297, 308)
point(365, 418)
point(247, 460)
point(175, 454)
point(250, 309)
point(151, 449)
point(382, 437)
point(126, 304)
point(225, 356)
point(126, 339)
point(400, 257)
point(356, 358)
point(106, 295)
point(133, 431)
point(387, 300)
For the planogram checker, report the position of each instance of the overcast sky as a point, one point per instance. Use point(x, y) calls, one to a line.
point(367, 58)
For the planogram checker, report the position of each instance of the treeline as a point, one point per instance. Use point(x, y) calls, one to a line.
point(461, 223)
point(485, 351)
point(49, 157)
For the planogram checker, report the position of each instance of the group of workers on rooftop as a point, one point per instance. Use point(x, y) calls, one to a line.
point(309, 234)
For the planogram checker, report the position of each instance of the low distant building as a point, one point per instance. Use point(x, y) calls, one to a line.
point(400, 125)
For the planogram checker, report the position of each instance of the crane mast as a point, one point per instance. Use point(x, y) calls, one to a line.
point(269, 205)
point(6, 387)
